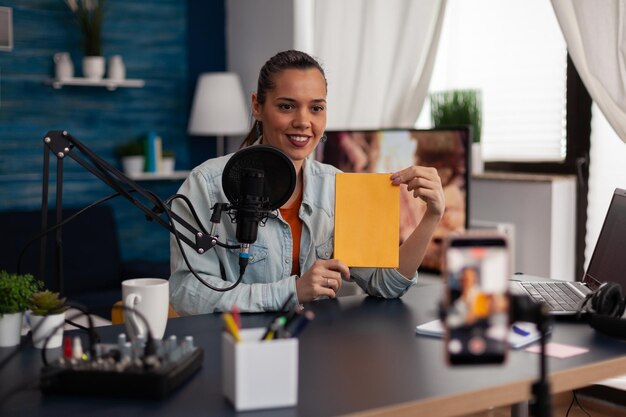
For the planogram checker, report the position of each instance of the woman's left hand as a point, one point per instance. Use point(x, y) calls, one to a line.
point(425, 184)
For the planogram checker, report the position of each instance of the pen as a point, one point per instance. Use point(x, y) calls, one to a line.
point(276, 317)
point(275, 328)
point(291, 317)
point(231, 326)
point(520, 331)
point(303, 320)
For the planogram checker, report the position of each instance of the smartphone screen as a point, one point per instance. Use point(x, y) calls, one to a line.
point(476, 304)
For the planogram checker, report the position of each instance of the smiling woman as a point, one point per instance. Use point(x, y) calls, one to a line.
point(293, 114)
point(292, 257)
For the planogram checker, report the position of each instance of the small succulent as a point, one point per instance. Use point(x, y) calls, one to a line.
point(45, 303)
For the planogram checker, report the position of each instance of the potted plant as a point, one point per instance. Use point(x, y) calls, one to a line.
point(15, 292)
point(132, 156)
point(460, 107)
point(89, 14)
point(168, 161)
point(47, 317)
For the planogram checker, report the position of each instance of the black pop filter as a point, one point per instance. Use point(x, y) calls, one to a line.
point(279, 174)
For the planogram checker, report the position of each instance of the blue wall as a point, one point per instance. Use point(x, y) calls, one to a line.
point(153, 38)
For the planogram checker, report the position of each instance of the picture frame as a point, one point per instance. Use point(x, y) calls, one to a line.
point(6, 29)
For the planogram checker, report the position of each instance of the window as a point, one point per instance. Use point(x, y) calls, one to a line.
point(514, 52)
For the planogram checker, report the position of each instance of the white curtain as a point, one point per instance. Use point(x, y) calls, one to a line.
point(378, 56)
point(594, 32)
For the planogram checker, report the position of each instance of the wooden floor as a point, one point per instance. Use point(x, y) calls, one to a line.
point(594, 408)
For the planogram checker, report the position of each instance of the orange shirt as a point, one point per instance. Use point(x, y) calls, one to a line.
point(290, 215)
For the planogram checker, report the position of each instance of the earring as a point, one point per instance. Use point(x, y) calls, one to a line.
point(257, 125)
point(324, 138)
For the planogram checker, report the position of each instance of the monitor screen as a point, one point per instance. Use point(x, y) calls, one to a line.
point(381, 151)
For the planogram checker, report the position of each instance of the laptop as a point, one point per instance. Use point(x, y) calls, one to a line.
point(607, 264)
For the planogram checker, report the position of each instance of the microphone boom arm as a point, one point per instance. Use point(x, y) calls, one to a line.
point(62, 144)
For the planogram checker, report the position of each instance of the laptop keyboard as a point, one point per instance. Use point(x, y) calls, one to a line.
point(559, 296)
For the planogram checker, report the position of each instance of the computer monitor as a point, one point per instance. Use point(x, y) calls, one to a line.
point(388, 150)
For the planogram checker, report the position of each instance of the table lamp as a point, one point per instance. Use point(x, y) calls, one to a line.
point(218, 107)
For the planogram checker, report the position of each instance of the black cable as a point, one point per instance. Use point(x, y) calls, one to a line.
point(63, 223)
point(167, 211)
point(116, 180)
point(579, 404)
point(164, 207)
point(195, 216)
point(25, 340)
point(192, 210)
point(149, 338)
point(575, 399)
point(570, 405)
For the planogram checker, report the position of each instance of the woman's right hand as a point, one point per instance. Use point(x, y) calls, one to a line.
point(324, 278)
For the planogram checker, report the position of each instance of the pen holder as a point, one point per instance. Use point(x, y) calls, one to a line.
point(259, 374)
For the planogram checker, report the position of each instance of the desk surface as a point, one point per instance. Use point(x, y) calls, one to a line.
point(360, 356)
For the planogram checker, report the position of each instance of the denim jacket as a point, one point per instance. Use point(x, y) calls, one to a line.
point(267, 282)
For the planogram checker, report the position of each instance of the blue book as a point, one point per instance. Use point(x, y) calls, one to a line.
point(152, 162)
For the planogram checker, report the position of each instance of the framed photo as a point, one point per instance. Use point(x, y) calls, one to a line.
point(6, 29)
point(389, 150)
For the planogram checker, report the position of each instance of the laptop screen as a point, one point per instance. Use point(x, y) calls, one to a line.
point(608, 263)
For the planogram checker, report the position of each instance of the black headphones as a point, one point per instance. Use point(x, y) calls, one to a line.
point(607, 305)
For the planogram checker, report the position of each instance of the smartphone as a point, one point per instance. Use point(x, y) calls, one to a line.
point(476, 269)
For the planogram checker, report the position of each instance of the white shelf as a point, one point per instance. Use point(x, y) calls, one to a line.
point(105, 82)
point(157, 176)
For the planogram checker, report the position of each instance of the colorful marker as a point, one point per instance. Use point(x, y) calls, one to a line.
point(231, 326)
point(236, 315)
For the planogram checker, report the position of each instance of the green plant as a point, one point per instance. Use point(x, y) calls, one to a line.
point(134, 148)
point(15, 292)
point(89, 14)
point(44, 303)
point(457, 107)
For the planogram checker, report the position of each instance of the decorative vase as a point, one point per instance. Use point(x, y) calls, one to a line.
point(47, 327)
point(116, 70)
point(63, 66)
point(167, 165)
point(93, 67)
point(477, 159)
point(133, 165)
point(10, 329)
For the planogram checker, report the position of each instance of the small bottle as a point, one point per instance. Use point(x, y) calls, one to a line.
point(116, 69)
point(63, 66)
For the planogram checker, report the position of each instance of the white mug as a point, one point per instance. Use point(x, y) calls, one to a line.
point(150, 298)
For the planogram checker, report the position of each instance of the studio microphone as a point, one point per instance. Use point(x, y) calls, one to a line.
point(256, 180)
point(249, 211)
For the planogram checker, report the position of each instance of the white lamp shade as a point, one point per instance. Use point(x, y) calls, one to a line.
point(218, 107)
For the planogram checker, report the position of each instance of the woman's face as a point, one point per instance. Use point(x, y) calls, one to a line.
point(294, 113)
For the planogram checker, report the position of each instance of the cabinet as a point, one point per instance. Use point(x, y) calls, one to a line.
point(543, 210)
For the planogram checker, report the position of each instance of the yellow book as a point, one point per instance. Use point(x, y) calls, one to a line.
point(367, 220)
